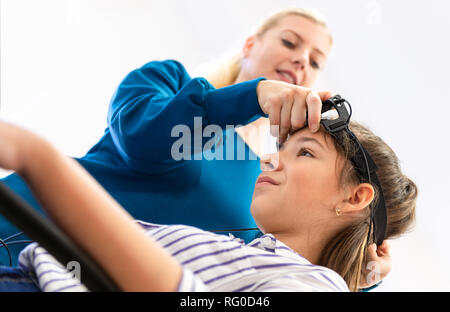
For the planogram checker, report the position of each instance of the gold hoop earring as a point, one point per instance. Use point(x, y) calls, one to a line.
point(338, 211)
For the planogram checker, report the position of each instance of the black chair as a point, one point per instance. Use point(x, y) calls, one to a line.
point(54, 240)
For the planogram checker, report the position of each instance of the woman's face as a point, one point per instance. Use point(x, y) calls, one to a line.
point(306, 189)
point(295, 50)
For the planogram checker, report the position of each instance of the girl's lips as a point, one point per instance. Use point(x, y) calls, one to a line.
point(264, 183)
point(266, 180)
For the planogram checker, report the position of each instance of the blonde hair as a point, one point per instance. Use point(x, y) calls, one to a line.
point(226, 73)
point(346, 252)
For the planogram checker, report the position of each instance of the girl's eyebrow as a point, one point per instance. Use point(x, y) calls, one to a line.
point(309, 139)
point(303, 139)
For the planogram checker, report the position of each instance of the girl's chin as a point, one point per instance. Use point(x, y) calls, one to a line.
point(261, 210)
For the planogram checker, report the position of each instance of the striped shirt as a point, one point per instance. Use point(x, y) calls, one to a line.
point(210, 262)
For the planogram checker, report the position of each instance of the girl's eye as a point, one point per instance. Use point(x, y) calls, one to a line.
point(304, 152)
point(288, 44)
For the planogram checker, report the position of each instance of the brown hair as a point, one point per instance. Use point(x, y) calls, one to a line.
point(346, 252)
point(226, 73)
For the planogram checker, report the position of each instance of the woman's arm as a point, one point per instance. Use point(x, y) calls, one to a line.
point(158, 96)
point(88, 214)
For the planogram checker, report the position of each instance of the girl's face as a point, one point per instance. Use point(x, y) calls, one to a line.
point(307, 188)
point(295, 50)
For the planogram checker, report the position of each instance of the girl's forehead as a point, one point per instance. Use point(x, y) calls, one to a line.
point(305, 134)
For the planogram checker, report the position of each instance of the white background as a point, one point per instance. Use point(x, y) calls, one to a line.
point(61, 61)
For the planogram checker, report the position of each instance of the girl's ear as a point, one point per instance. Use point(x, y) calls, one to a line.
point(359, 198)
point(248, 45)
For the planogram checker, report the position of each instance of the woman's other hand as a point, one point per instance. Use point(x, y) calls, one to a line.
point(287, 104)
point(378, 265)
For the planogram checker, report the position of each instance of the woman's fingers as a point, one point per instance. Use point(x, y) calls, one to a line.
point(294, 106)
point(384, 249)
point(314, 104)
point(288, 106)
point(298, 112)
point(325, 95)
point(274, 118)
point(379, 252)
point(372, 251)
point(285, 118)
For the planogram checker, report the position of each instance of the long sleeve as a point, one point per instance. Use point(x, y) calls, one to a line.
point(155, 98)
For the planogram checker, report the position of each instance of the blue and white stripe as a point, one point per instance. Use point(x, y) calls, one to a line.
point(211, 262)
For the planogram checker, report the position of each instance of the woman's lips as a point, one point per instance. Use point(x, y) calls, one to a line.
point(286, 76)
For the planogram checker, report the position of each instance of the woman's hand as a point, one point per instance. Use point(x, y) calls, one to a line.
point(14, 142)
point(378, 265)
point(287, 104)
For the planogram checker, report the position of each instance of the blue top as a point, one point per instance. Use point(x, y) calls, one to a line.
point(133, 159)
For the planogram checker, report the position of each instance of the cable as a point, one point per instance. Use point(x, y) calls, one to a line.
point(12, 236)
point(7, 249)
point(5, 243)
point(19, 242)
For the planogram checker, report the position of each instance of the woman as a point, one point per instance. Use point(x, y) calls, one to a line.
point(133, 160)
point(314, 213)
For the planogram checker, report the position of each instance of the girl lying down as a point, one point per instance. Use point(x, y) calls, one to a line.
point(309, 203)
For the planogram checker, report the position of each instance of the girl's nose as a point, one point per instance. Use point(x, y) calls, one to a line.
point(270, 162)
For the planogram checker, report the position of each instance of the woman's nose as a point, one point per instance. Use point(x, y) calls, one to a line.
point(270, 162)
point(301, 59)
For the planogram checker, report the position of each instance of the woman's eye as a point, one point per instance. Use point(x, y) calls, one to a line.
point(288, 44)
point(315, 65)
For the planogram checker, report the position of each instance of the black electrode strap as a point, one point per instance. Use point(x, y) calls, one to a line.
point(50, 237)
point(366, 168)
point(379, 215)
point(360, 158)
point(363, 163)
point(340, 123)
